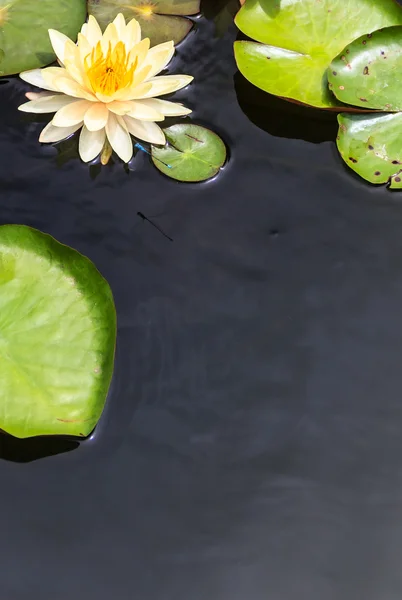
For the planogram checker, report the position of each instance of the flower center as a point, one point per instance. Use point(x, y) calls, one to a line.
point(111, 72)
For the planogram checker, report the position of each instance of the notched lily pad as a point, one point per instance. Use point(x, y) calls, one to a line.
point(371, 146)
point(160, 20)
point(57, 336)
point(24, 37)
point(299, 39)
point(366, 72)
point(193, 153)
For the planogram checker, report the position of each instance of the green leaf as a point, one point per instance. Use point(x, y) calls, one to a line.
point(193, 153)
point(365, 72)
point(303, 37)
point(371, 146)
point(24, 25)
point(57, 336)
point(160, 20)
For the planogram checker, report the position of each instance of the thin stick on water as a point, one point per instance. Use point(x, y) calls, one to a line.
point(144, 218)
point(141, 147)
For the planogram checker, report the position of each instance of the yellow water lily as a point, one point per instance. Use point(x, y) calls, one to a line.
point(107, 85)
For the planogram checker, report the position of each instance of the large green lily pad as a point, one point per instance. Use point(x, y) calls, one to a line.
point(367, 72)
point(371, 146)
point(24, 37)
point(160, 20)
point(193, 153)
point(57, 336)
point(298, 40)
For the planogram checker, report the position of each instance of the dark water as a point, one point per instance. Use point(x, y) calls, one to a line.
point(251, 447)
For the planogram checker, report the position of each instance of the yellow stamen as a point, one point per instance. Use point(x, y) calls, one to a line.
point(109, 73)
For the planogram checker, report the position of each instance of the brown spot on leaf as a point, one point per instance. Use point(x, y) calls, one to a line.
point(366, 71)
point(396, 162)
point(347, 51)
point(377, 173)
point(369, 35)
point(370, 147)
point(353, 160)
point(397, 179)
point(363, 99)
point(341, 87)
point(364, 42)
point(334, 73)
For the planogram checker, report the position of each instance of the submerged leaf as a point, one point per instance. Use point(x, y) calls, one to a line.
point(160, 20)
point(298, 40)
point(193, 153)
point(24, 37)
point(57, 336)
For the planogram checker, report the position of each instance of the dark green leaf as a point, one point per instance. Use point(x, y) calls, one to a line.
point(160, 20)
point(193, 153)
point(367, 72)
point(371, 146)
point(24, 25)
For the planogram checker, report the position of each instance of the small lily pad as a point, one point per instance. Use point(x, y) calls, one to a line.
point(299, 39)
point(193, 153)
point(371, 146)
point(365, 72)
point(57, 336)
point(160, 20)
point(24, 37)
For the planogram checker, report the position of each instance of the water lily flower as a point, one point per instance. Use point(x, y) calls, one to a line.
point(106, 85)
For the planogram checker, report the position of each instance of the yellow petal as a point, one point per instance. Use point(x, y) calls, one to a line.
point(165, 84)
point(93, 32)
point(145, 130)
point(110, 37)
point(143, 111)
point(70, 87)
point(91, 143)
point(37, 95)
point(46, 104)
point(71, 114)
point(119, 108)
point(120, 24)
point(164, 107)
point(138, 53)
point(96, 116)
point(84, 47)
point(158, 58)
point(35, 77)
point(51, 74)
point(132, 35)
point(119, 137)
point(61, 44)
point(54, 134)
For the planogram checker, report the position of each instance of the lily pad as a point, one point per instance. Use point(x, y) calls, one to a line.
point(298, 40)
point(371, 146)
point(24, 37)
point(366, 72)
point(160, 20)
point(193, 153)
point(57, 336)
